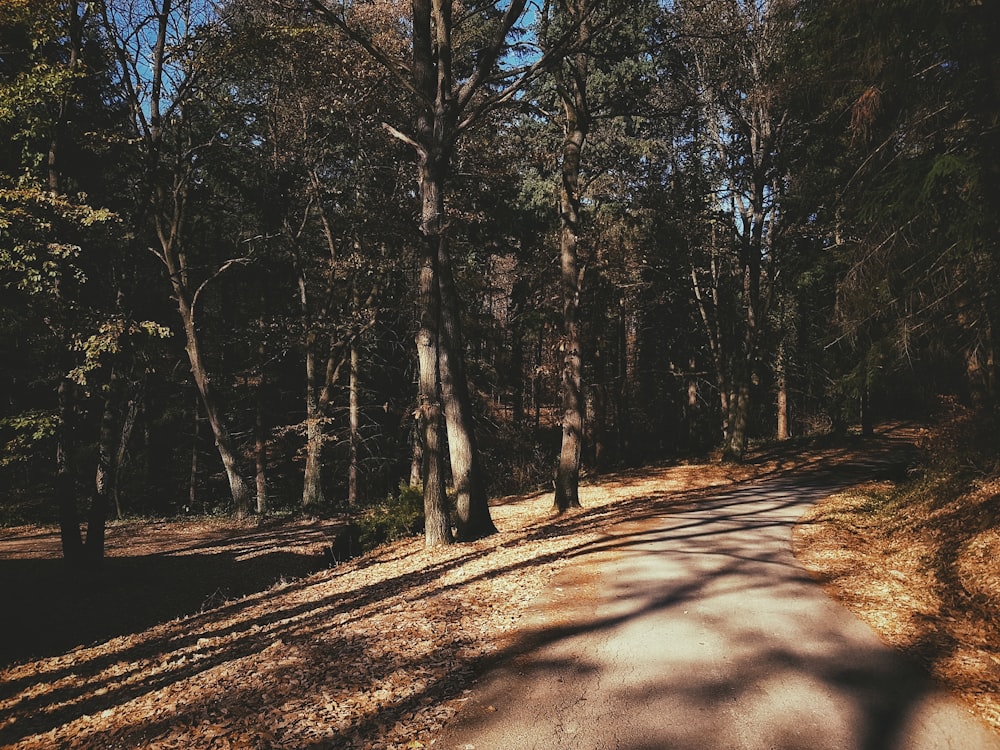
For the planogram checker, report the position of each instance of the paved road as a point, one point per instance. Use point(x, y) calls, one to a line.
point(696, 629)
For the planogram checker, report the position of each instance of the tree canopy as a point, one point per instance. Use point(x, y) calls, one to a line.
point(333, 256)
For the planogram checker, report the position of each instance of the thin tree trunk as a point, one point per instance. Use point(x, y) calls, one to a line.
point(100, 502)
point(692, 408)
point(417, 456)
point(867, 421)
point(353, 417)
point(260, 440)
point(312, 480)
point(124, 438)
point(260, 455)
point(193, 476)
point(239, 489)
point(782, 377)
point(517, 344)
point(312, 476)
point(65, 489)
point(739, 421)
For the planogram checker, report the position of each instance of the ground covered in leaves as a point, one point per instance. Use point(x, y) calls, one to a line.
point(919, 561)
point(377, 652)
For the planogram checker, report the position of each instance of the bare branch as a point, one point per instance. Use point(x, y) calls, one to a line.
point(222, 269)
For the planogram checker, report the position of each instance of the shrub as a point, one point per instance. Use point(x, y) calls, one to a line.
point(398, 517)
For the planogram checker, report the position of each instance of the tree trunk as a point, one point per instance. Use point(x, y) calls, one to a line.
point(568, 472)
point(473, 519)
point(783, 432)
point(124, 438)
point(437, 525)
point(517, 344)
point(65, 488)
point(312, 480)
point(239, 489)
point(739, 420)
point(782, 378)
point(692, 409)
point(416, 456)
point(597, 410)
point(100, 502)
point(355, 438)
point(867, 421)
point(260, 446)
point(193, 475)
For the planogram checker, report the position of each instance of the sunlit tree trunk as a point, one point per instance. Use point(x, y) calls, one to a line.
point(782, 428)
point(239, 489)
point(437, 525)
point(354, 423)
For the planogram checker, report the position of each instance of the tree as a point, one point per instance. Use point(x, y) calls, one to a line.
point(732, 47)
point(160, 48)
point(449, 96)
point(895, 182)
point(60, 258)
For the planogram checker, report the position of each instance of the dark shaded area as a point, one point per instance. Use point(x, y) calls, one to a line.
point(52, 608)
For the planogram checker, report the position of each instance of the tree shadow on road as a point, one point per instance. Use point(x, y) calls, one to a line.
point(253, 668)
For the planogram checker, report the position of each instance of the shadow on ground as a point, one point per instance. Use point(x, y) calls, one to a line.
point(52, 607)
point(303, 632)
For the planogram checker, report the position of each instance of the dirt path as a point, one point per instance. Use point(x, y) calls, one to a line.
point(695, 628)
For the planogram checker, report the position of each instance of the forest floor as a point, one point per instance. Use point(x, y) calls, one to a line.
point(201, 634)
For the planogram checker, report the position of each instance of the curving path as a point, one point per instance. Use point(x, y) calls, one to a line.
point(695, 629)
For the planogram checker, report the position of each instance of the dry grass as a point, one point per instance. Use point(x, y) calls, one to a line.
point(920, 563)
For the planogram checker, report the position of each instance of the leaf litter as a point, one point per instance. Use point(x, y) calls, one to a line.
point(376, 653)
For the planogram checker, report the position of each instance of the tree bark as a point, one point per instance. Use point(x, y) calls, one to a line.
point(260, 440)
point(782, 377)
point(437, 525)
point(354, 421)
point(867, 421)
point(473, 520)
point(312, 481)
point(193, 474)
point(239, 489)
point(136, 389)
point(100, 502)
point(573, 88)
point(739, 421)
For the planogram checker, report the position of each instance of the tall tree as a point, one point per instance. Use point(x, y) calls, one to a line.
point(733, 46)
point(601, 76)
point(449, 96)
point(161, 47)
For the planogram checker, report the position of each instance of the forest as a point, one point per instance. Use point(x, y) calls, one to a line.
point(391, 260)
